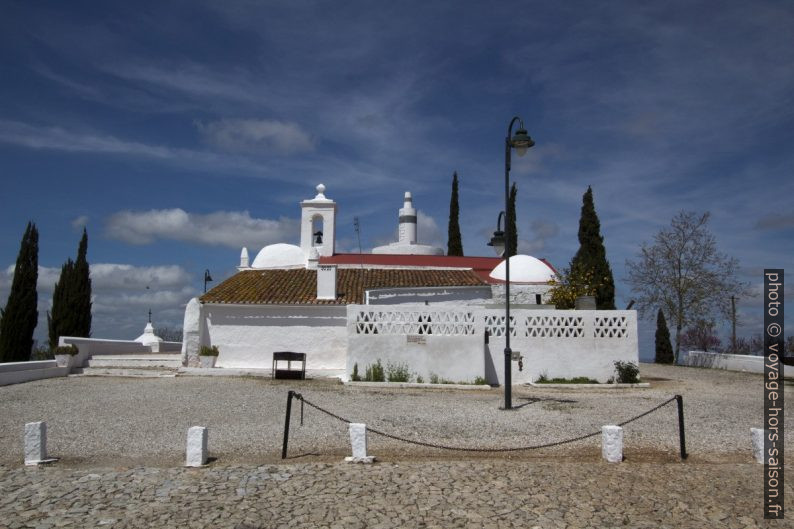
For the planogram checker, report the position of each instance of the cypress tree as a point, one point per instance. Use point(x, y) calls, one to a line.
point(591, 258)
point(60, 318)
point(664, 349)
point(454, 242)
point(20, 314)
point(71, 299)
point(512, 243)
point(81, 303)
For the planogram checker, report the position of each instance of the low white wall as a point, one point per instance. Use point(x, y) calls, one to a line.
point(89, 347)
point(553, 342)
point(16, 372)
point(730, 362)
point(248, 335)
point(455, 358)
point(395, 296)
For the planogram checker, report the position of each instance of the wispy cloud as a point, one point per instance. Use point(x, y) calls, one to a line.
point(779, 221)
point(60, 139)
point(221, 228)
point(256, 136)
point(192, 79)
point(80, 222)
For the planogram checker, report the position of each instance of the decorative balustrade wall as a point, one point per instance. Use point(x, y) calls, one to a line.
point(452, 343)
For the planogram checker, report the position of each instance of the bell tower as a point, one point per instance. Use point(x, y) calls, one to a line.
point(318, 225)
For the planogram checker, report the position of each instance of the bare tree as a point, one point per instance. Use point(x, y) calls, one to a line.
point(684, 273)
point(169, 334)
point(700, 336)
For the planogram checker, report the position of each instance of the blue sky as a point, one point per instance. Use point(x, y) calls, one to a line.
point(179, 131)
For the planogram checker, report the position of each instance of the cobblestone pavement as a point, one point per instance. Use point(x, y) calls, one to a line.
point(481, 493)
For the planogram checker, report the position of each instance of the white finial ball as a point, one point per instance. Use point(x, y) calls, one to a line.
point(320, 189)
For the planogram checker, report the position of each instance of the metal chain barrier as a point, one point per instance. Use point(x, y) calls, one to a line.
point(470, 449)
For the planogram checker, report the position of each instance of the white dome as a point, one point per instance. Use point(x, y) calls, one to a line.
point(279, 256)
point(524, 269)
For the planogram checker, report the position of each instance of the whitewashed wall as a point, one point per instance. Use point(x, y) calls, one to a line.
point(556, 343)
point(248, 335)
point(88, 347)
point(429, 341)
point(431, 295)
point(17, 372)
point(520, 294)
point(442, 340)
point(730, 362)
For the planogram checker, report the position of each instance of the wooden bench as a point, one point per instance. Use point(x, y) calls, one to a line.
point(289, 372)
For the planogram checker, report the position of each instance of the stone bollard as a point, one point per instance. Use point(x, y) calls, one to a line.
point(358, 440)
point(36, 443)
point(196, 446)
point(612, 443)
point(757, 435)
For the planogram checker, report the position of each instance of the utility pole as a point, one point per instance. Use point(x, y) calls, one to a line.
point(733, 324)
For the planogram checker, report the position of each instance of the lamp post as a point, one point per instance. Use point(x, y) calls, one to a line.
point(207, 278)
point(498, 239)
point(520, 141)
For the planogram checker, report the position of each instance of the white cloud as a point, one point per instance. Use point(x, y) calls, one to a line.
point(80, 222)
point(427, 230)
point(121, 299)
point(225, 228)
point(540, 231)
point(110, 276)
point(256, 136)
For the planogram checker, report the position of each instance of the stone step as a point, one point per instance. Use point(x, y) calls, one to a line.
point(136, 361)
point(138, 372)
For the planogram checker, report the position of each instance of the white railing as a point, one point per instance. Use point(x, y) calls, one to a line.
point(549, 324)
point(405, 322)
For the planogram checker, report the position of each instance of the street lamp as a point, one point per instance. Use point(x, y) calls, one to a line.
point(520, 141)
point(498, 239)
point(207, 278)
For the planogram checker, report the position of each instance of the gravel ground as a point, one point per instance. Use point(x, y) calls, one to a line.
point(97, 421)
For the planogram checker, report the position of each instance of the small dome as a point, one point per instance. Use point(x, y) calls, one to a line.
point(524, 269)
point(279, 256)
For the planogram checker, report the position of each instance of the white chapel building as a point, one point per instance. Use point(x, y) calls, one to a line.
point(421, 307)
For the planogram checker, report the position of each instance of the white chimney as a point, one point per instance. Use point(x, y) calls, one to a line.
point(326, 282)
point(244, 258)
point(314, 259)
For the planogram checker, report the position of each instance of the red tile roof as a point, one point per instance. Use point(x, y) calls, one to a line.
point(299, 286)
point(482, 266)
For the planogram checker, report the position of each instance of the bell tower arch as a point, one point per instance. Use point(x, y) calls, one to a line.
point(318, 225)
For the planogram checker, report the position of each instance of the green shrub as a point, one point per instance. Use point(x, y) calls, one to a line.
point(209, 351)
point(66, 350)
point(628, 372)
point(398, 372)
point(42, 353)
point(544, 379)
point(419, 379)
point(480, 381)
point(375, 373)
point(433, 378)
point(355, 377)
